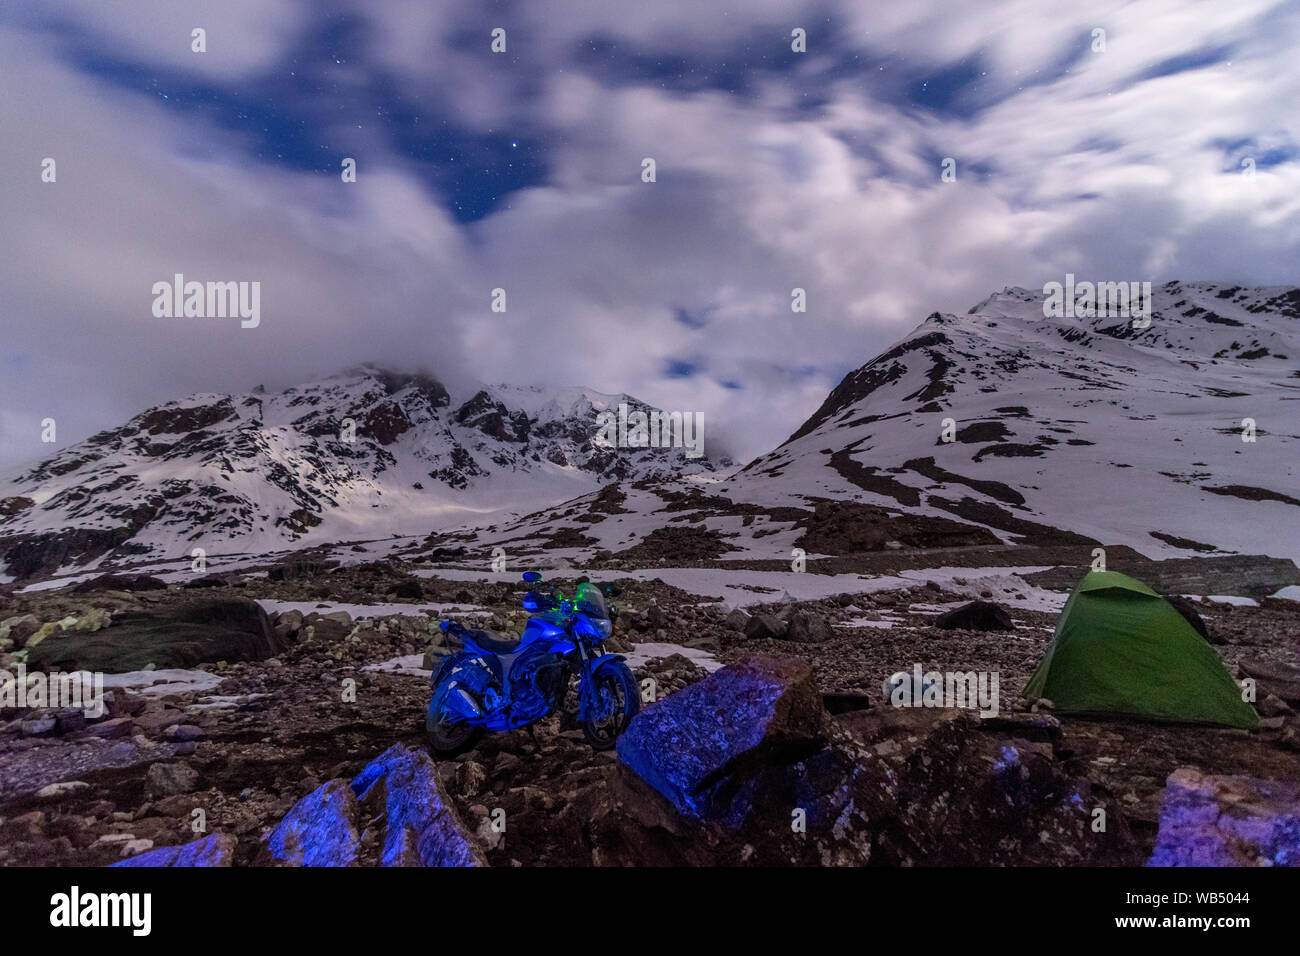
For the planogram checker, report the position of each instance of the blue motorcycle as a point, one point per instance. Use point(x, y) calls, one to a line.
point(496, 683)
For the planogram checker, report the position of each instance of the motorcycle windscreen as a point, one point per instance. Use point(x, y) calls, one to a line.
point(590, 601)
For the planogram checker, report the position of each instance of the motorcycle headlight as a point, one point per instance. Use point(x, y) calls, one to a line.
point(592, 630)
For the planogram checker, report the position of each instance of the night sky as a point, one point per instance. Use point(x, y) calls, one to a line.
point(522, 170)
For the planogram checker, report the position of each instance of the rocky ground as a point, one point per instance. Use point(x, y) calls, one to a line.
point(293, 707)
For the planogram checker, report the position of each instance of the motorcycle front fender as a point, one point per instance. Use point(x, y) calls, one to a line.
point(595, 666)
point(605, 660)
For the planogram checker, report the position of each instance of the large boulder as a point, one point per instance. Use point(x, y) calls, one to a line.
point(976, 616)
point(699, 746)
point(761, 626)
point(181, 636)
point(320, 829)
point(393, 813)
point(215, 849)
point(807, 628)
point(421, 827)
point(1210, 820)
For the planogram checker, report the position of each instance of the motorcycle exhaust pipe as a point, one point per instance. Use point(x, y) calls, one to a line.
point(461, 703)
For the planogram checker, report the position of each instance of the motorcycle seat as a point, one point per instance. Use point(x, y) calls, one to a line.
point(490, 642)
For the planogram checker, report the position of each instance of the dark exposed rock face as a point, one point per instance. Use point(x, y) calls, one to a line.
point(845, 527)
point(976, 616)
point(15, 504)
point(678, 543)
point(120, 582)
point(199, 631)
point(1212, 820)
point(29, 555)
point(967, 797)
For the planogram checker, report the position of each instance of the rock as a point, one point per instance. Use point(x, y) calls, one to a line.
point(57, 791)
point(94, 619)
point(180, 636)
point(655, 617)
point(409, 589)
point(120, 582)
point(324, 630)
point(156, 719)
point(287, 623)
point(421, 827)
point(110, 729)
point(976, 616)
point(687, 745)
point(70, 721)
point(1274, 706)
point(967, 797)
point(762, 626)
point(470, 777)
point(1210, 820)
point(134, 847)
point(736, 620)
point(183, 732)
point(39, 636)
point(208, 581)
point(215, 849)
point(320, 829)
point(166, 779)
point(807, 628)
point(38, 726)
point(19, 628)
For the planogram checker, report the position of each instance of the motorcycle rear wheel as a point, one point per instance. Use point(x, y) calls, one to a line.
point(448, 737)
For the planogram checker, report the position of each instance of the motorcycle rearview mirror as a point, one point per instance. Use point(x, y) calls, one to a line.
point(532, 577)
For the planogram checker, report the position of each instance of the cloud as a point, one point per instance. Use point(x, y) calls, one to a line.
point(774, 171)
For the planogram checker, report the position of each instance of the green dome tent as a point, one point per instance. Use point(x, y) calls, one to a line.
point(1120, 648)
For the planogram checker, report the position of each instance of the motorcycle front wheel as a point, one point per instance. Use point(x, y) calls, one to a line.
point(448, 735)
point(615, 699)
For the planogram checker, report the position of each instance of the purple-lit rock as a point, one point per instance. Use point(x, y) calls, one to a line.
point(1210, 820)
point(689, 746)
point(320, 829)
point(216, 849)
point(421, 826)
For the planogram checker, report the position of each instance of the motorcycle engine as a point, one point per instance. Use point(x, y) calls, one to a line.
point(535, 681)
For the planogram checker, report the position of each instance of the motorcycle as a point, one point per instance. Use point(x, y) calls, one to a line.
point(497, 683)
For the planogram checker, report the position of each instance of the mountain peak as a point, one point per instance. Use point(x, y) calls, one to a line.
point(366, 452)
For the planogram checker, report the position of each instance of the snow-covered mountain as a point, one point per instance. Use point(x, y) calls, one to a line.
point(1088, 425)
point(996, 425)
point(258, 472)
point(1075, 431)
